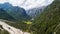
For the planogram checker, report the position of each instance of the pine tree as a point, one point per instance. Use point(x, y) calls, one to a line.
point(48, 22)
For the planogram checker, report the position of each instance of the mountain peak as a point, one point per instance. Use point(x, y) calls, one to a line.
point(28, 4)
point(15, 11)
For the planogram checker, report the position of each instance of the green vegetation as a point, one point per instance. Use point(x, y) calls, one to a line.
point(15, 18)
point(4, 32)
point(48, 22)
point(28, 22)
point(20, 25)
point(4, 15)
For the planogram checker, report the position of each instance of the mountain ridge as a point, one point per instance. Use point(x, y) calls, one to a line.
point(15, 11)
point(48, 22)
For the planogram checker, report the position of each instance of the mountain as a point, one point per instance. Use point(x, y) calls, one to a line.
point(16, 12)
point(4, 15)
point(48, 22)
point(28, 4)
point(35, 11)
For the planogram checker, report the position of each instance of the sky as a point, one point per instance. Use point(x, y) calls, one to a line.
point(28, 4)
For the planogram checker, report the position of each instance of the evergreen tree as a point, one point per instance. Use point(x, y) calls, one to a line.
point(48, 22)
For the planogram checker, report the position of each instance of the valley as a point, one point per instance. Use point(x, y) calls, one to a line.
point(42, 19)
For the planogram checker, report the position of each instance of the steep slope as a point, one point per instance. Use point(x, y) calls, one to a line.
point(35, 11)
point(19, 13)
point(10, 29)
point(14, 16)
point(49, 20)
point(16, 12)
point(4, 15)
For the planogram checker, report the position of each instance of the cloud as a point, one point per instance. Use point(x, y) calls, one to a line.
point(28, 4)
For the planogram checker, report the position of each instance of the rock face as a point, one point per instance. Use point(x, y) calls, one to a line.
point(35, 11)
point(49, 21)
point(10, 29)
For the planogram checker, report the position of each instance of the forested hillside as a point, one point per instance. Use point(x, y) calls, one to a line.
point(14, 16)
point(15, 12)
point(5, 16)
point(48, 22)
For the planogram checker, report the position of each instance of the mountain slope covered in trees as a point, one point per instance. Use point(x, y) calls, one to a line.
point(16, 12)
point(48, 22)
point(14, 16)
point(5, 16)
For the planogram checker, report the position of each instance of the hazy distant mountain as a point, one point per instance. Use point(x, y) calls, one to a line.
point(28, 4)
point(15, 11)
point(35, 11)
